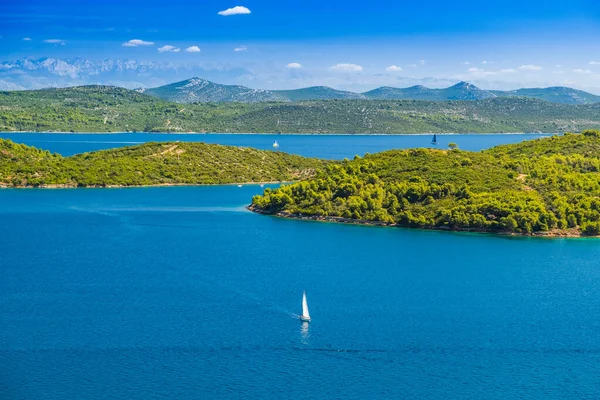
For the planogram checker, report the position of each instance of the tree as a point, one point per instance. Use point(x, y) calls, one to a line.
point(591, 229)
point(452, 145)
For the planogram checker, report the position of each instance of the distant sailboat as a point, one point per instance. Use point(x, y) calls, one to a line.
point(275, 145)
point(434, 140)
point(305, 315)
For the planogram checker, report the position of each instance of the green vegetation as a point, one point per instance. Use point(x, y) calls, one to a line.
point(549, 185)
point(110, 109)
point(556, 94)
point(317, 93)
point(150, 164)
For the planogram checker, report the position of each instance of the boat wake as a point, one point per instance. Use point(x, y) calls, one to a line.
point(98, 211)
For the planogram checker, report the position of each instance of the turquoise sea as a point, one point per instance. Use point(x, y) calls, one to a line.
point(180, 293)
point(323, 146)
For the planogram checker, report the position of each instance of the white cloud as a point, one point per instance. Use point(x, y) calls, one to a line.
point(137, 42)
point(193, 49)
point(241, 48)
point(582, 71)
point(237, 10)
point(294, 65)
point(530, 67)
point(55, 41)
point(594, 62)
point(347, 67)
point(393, 68)
point(485, 62)
point(27, 39)
point(479, 72)
point(422, 62)
point(465, 63)
point(169, 48)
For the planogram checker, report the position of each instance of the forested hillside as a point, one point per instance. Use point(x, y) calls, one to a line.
point(549, 186)
point(109, 109)
point(150, 164)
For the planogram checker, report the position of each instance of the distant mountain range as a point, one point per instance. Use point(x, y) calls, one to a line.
point(25, 74)
point(317, 93)
point(460, 91)
point(115, 109)
point(200, 90)
point(41, 73)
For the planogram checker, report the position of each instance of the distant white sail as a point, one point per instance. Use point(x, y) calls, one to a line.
point(305, 314)
point(275, 145)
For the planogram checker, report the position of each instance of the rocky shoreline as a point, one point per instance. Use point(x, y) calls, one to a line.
point(74, 186)
point(566, 233)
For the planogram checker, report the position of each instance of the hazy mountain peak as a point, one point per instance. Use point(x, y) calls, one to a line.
point(48, 72)
point(200, 90)
point(465, 85)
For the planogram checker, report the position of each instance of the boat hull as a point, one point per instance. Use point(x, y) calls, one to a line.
point(304, 319)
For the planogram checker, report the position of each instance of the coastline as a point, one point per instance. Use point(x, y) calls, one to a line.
point(570, 234)
point(67, 186)
point(280, 134)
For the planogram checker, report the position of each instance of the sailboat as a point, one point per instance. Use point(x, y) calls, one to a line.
point(275, 145)
point(305, 315)
point(434, 140)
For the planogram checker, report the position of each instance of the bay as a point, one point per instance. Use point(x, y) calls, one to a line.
point(181, 293)
point(322, 146)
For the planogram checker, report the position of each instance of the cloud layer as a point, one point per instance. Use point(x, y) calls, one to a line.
point(137, 42)
point(54, 41)
point(530, 67)
point(193, 49)
point(169, 49)
point(393, 68)
point(237, 10)
point(294, 65)
point(241, 48)
point(347, 67)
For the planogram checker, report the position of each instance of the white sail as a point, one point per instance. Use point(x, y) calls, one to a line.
point(305, 313)
point(275, 145)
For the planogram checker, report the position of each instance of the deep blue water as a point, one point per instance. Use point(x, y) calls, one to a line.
point(181, 293)
point(323, 146)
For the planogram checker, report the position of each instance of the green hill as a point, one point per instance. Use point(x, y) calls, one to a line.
point(110, 109)
point(549, 186)
point(460, 91)
point(150, 164)
point(317, 93)
point(556, 94)
point(199, 90)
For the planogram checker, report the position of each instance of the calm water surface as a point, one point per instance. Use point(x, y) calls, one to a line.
point(181, 293)
point(323, 146)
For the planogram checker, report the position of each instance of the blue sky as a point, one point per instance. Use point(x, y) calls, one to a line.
point(345, 44)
